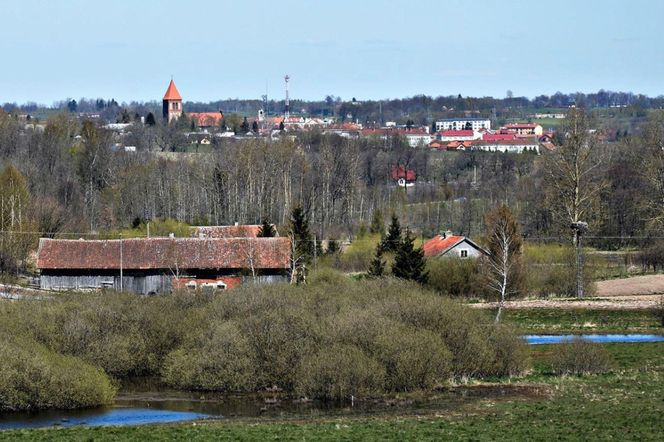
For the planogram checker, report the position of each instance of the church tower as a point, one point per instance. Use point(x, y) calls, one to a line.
point(172, 103)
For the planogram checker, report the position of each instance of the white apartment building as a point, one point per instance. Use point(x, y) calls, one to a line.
point(462, 123)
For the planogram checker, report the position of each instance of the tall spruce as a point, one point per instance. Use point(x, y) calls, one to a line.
point(377, 265)
point(266, 230)
point(392, 241)
point(409, 262)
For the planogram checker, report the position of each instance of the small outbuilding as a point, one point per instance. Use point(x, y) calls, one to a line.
point(449, 245)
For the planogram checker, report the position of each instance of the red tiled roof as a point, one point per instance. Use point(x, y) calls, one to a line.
point(401, 172)
point(459, 144)
point(172, 92)
point(164, 253)
point(239, 231)
point(457, 133)
point(508, 142)
point(206, 119)
point(496, 137)
point(439, 244)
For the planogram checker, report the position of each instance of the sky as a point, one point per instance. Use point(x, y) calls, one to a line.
point(369, 49)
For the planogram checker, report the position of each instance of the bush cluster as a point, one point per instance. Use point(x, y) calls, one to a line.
point(580, 357)
point(456, 277)
point(33, 377)
point(330, 339)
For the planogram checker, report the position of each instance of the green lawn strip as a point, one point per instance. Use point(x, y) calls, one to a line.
point(625, 405)
point(581, 320)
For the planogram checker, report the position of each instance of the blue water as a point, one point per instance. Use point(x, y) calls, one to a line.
point(106, 417)
point(600, 339)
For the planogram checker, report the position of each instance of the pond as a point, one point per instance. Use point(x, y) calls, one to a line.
point(148, 402)
point(95, 417)
point(600, 339)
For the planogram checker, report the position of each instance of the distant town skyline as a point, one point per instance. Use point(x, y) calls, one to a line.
point(368, 50)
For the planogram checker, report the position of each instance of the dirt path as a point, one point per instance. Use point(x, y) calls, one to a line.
point(636, 293)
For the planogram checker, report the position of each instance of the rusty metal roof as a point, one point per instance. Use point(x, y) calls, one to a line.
point(164, 253)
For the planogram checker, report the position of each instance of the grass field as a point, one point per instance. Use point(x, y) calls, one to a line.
point(623, 405)
point(559, 321)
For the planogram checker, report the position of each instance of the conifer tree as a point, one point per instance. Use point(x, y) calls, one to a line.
point(377, 266)
point(391, 242)
point(409, 262)
point(266, 230)
point(332, 247)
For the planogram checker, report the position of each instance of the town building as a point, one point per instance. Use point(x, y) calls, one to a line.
point(159, 265)
point(523, 129)
point(172, 103)
point(459, 135)
point(447, 245)
point(207, 120)
point(510, 146)
point(475, 124)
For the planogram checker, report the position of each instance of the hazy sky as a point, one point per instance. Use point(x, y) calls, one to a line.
point(128, 49)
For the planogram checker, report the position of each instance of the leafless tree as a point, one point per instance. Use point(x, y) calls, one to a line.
point(574, 181)
point(503, 265)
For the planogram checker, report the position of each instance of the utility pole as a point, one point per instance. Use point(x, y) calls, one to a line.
point(121, 286)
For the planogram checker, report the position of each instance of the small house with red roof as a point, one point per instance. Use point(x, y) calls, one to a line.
point(448, 245)
point(404, 177)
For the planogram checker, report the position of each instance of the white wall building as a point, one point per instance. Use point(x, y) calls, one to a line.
point(461, 123)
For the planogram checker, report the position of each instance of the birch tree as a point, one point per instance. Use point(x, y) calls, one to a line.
point(503, 265)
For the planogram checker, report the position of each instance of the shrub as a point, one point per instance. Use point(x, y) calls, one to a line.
point(33, 377)
point(580, 357)
point(326, 275)
point(413, 359)
point(221, 359)
point(338, 372)
point(455, 277)
point(511, 351)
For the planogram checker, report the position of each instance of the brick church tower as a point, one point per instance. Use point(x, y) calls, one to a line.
point(172, 103)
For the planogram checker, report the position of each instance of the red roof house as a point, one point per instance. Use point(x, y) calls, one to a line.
point(449, 245)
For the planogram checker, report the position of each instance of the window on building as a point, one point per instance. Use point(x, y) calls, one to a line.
point(463, 253)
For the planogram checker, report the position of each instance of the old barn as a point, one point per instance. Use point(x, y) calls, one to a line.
point(159, 265)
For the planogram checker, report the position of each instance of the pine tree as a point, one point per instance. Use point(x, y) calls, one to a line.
point(149, 120)
point(409, 262)
point(266, 230)
point(377, 266)
point(332, 247)
point(244, 126)
point(391, 242)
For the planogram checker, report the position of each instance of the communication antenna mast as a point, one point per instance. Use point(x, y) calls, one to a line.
point(287, 107)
